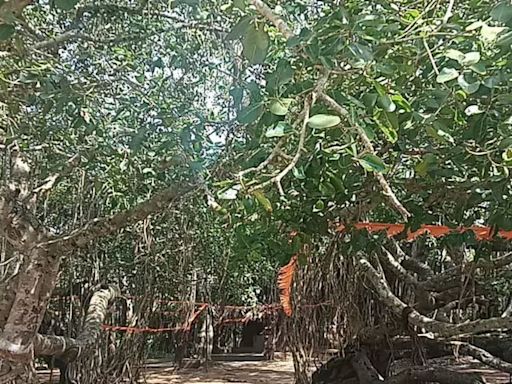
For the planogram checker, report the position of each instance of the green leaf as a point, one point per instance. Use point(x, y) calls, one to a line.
point(473, 110)
point(474, 25)
point(447, 74)
point(319, 206)
point(280, 107)
point(263, 200)
point(471, 58)
point(298, 173)
point(255, 45)
point(492, 82)
point(321, 121)
point(327, 189)
point(230, 193)
point(239, 4)
point(6, 31)
point(479, 68)
point(399, 99)
point(282, 75)
point(454, 55)
point(490, 34)
point(372, 162)
point(507, 155)
point(466, 87)
point(505, 39)
point(240, 28)
point(65, 5)
point(279, 130)
point(250, 114)
point(369, 100)
point(502, 12)
point(237, 94)
point(386, 103)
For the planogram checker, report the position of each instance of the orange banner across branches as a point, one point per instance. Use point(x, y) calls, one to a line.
point(481, 233)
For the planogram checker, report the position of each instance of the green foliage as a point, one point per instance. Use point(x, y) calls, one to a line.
point(153, 94)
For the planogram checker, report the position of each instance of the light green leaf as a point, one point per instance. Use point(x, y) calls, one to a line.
point(372, 162)
point(490, 34)
point(474, 25)
point(279, 130)
point(454, 55)
point(507, 155)
point(466, 87)
point(65, 5)
point(280, 107)
point(6, 31)
point(263, 200)
point(230, 193)
point(471, 58)
point(298, 173)
point(473, 110)
point(447, 74)
point(255, 45)
point(323, 121)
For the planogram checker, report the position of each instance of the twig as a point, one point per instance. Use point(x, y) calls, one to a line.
point(277, 179)
point(369, 147)
point(263, 164)
point(449, 12)
point(266, 12)
point(50, 181)
point(431, 57)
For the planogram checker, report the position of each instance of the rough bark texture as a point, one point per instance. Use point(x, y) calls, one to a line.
point(25, 295)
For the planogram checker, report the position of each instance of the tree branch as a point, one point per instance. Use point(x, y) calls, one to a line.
point(398, 307)
point(69, 349)
point(482, 355)
point(369, 147)
point(105, 226)
point(267, 13)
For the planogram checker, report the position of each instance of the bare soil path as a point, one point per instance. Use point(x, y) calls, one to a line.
point(257, 372)
point(271, 372)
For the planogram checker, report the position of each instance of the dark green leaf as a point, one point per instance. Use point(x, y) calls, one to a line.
point(255, 45)
point(502, 12)
point(240, 28)
point(250, 114)
point(6, 31)
point(65, 5)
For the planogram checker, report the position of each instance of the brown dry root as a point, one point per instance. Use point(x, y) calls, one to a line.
point(357, 368)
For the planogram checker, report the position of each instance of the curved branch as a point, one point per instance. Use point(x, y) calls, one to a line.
point(414, 317)
point(69, 349)
point(482, 355)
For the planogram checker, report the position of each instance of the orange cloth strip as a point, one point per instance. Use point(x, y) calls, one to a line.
point(481, 233)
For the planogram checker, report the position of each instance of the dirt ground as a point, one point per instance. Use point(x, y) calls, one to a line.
point(271, 372)
point(258, 372)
